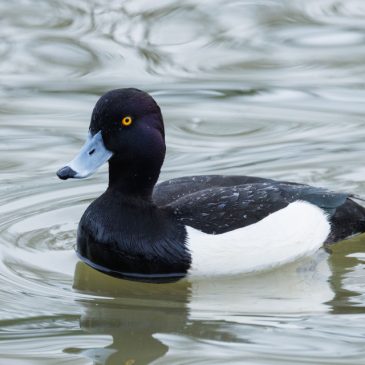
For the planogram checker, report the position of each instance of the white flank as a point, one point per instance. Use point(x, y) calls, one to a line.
point(282, 237)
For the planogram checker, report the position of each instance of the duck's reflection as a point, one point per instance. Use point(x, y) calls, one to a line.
point(346, 262)
point(135, 314)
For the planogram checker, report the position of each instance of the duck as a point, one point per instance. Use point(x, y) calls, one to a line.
point(191, 226)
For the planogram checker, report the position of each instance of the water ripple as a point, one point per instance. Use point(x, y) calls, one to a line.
point(270, 88)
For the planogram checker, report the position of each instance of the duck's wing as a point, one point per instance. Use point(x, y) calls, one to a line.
point(224, 209)
point(168, 191)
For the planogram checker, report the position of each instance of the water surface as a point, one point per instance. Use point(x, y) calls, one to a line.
point(268, 88)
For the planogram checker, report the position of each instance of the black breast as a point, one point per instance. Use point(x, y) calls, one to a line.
point(132, 239)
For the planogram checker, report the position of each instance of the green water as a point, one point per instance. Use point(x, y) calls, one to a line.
point(268, 88)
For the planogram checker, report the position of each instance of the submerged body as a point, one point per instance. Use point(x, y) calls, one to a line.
point(199, 225)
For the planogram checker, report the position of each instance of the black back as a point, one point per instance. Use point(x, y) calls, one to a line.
point(218, 204)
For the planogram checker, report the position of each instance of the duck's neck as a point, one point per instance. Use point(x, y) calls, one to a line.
point(136, 182)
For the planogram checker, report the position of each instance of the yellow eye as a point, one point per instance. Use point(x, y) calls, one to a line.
point(127, 121)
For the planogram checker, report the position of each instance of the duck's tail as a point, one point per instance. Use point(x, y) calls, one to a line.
point(348, 220)
point(356, 197)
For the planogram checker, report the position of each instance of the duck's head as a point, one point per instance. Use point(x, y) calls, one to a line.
point(127, 130)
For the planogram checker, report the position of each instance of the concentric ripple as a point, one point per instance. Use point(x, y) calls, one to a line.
point(270, 88)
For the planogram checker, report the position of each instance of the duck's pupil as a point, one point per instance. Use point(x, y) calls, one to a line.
point(92, 151)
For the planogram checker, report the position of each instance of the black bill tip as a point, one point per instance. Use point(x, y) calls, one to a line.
point(65, 173)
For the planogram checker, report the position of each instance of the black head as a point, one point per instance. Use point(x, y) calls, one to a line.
point(127, 129)
point(120, 134)
point(132, 128)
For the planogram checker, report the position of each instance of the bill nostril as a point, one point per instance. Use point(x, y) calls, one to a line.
point(91, 152)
